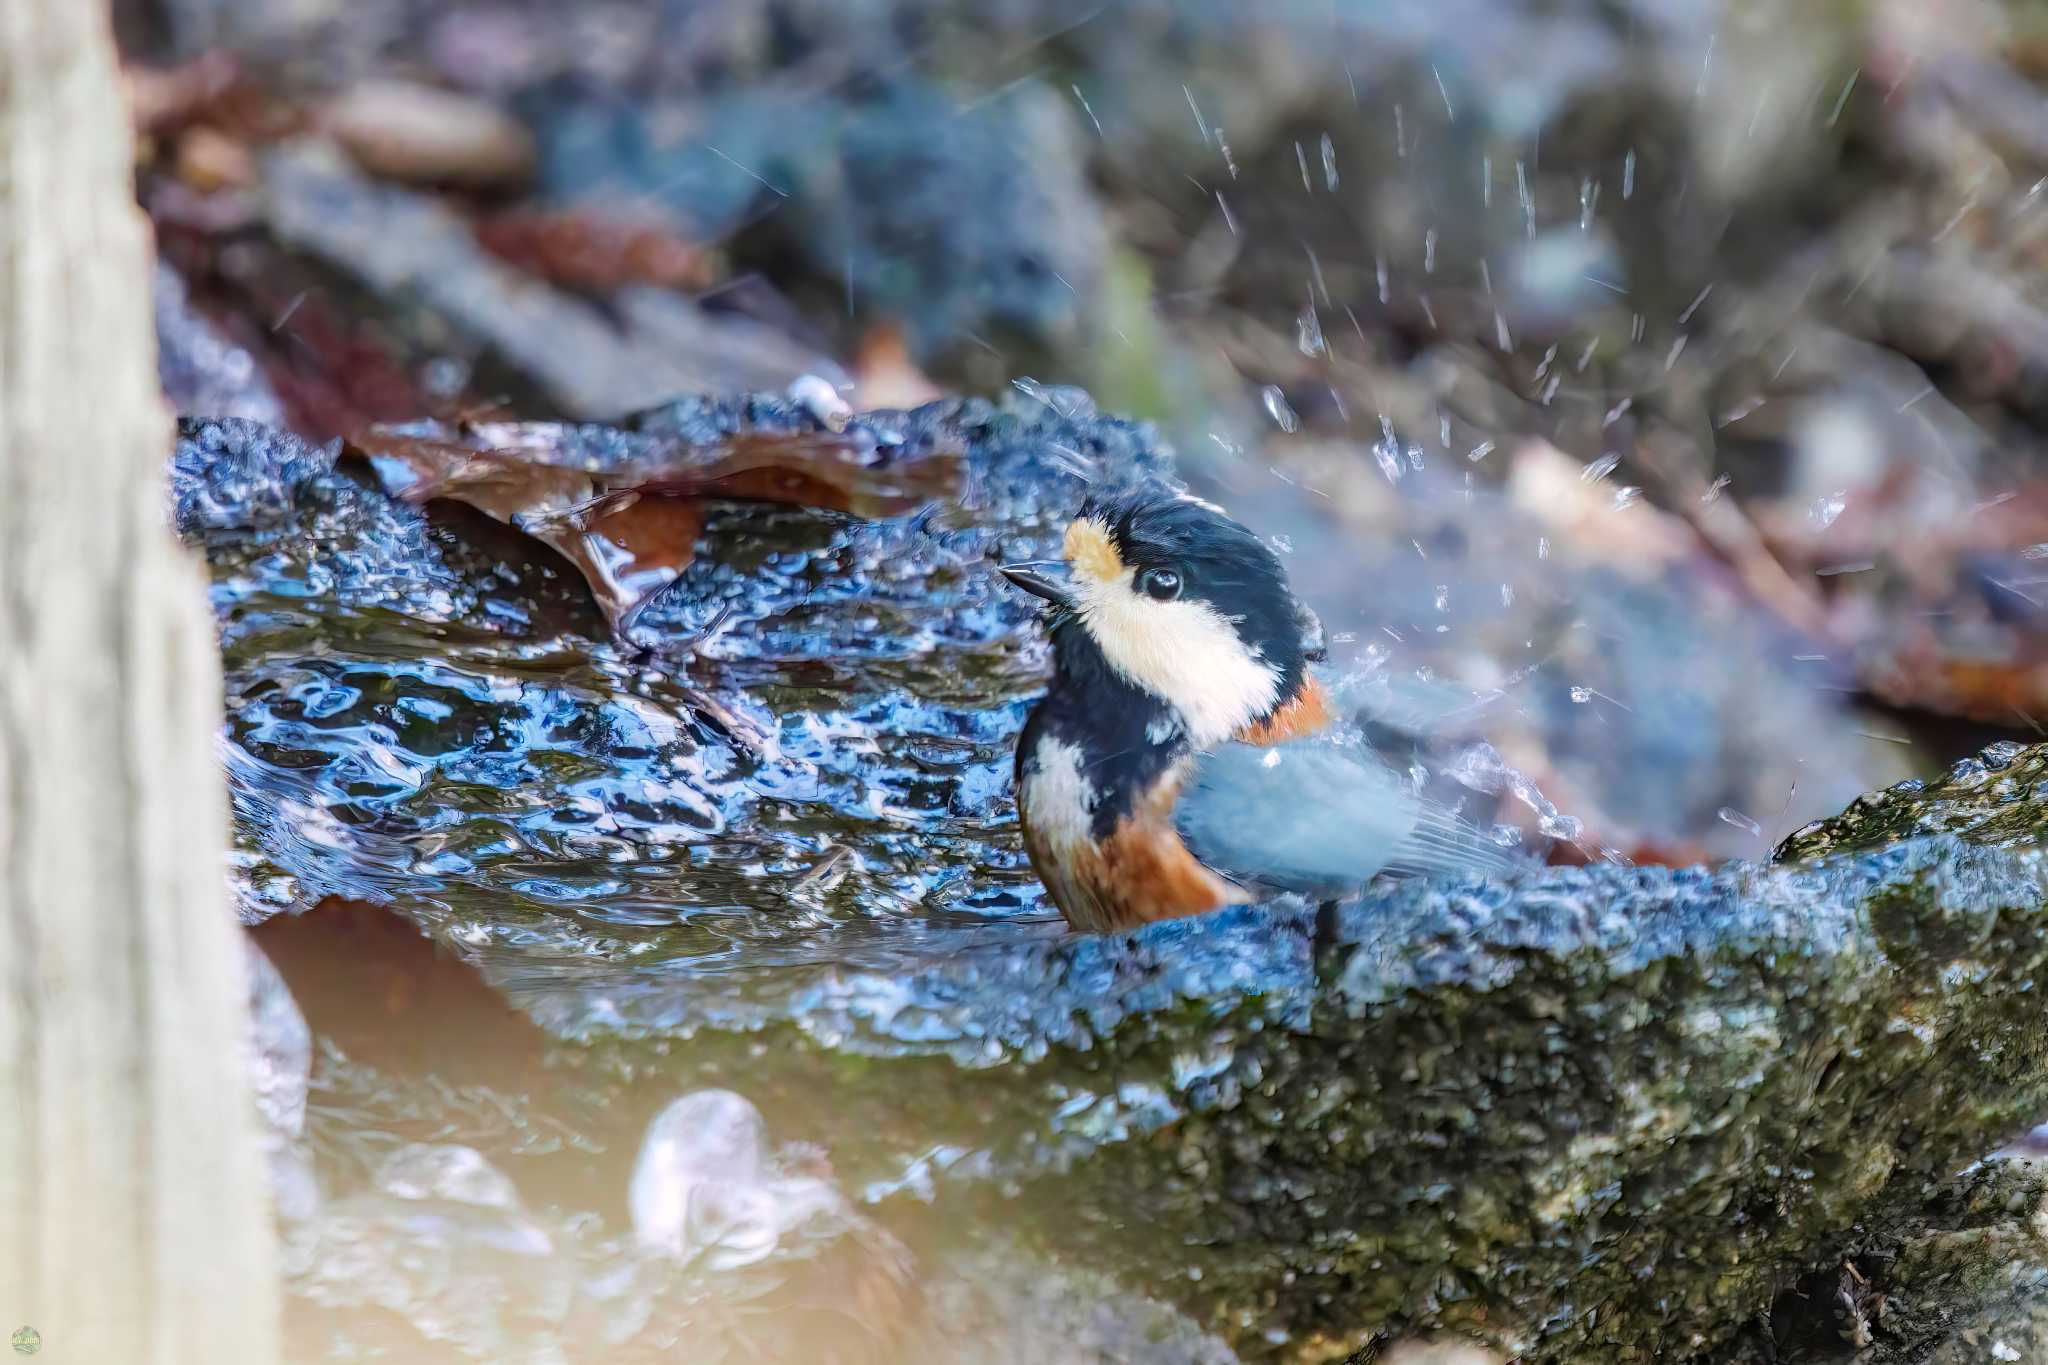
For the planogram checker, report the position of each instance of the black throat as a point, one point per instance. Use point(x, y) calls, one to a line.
point(1128, 738)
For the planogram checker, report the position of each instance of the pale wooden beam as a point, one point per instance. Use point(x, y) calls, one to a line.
point(133, 1215)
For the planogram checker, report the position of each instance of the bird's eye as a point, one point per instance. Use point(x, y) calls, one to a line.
point(1161, 585)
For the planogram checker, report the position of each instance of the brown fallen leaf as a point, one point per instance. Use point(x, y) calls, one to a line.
point(212, 89)
point(838, 471)
point(581, 249)
point(626, 507)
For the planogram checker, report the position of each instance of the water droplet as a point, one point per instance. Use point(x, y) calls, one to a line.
point(1599, 469)
point(1388, 454)
point(1507, 594)
point(1694, 306)
point(1582, 695)
point(1329, 163)
point(2035, 552)
point(1827, 509)
point(1728, 815)
point(1275, 403)
point(1480, 452)
point(1626, 495)
point(1715, 489)
point(1628, 174)
point(1308, 332)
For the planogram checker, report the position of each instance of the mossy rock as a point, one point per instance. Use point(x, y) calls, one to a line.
point(1597, 1113)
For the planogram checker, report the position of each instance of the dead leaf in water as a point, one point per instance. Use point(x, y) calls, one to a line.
point(626, 508)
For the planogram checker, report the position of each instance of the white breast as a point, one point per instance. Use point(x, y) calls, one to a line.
point(1056, 801)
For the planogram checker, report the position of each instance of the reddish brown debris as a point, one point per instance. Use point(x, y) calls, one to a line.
point(579, 249)
point(631, 526)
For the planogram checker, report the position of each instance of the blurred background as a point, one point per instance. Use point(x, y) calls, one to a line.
point(1650, 395)
point(1732, 306)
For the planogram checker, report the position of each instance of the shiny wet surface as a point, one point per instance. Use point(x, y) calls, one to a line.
point(474, 827)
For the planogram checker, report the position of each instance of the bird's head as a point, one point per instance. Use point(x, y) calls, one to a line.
point(1181, 602)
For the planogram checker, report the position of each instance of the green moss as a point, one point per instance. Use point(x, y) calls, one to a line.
point(1603, 1115)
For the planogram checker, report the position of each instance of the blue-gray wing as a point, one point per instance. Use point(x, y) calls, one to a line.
point(1309, 816)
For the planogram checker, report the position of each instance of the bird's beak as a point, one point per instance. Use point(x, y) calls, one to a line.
point(1047, 578)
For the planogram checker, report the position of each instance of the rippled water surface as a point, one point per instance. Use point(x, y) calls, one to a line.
point(796, 795)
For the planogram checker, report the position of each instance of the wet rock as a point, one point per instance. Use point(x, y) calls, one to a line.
point(280, 509)
point(1439, 1353)
point(1027, 261)
point(1964, 1278)
point(236, 475)
point(1005, 1306)
point(202, 371)
point(281, 1065)
point(1992, 799)
point(283, 1059)
point(1594, 1114)
point(959, 222)
point(417, 134)
point(591, 363)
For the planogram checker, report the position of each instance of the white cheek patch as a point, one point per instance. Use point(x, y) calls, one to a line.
point(1184, 653)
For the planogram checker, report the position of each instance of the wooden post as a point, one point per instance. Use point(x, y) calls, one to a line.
point(133, 1216)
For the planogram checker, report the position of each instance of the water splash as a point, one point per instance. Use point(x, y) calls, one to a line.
point(1276, 406)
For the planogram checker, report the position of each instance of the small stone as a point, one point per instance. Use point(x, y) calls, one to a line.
point(418, 134)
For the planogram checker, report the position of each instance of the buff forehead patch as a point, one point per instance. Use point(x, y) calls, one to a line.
point(1089, 549)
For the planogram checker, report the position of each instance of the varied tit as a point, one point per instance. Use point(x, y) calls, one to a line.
point(1180, 760)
